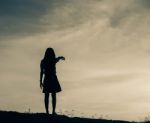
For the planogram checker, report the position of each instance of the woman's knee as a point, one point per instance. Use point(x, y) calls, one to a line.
point(53, 94)
point(46, 95)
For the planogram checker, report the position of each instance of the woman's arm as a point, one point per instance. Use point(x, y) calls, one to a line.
point(41, 76)
point(60, 58)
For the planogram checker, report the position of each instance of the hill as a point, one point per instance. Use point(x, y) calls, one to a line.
point(16, 117)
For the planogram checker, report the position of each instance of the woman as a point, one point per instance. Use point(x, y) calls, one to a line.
point(50, 83)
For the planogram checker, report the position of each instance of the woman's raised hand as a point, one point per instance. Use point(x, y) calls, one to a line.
point(61, 57)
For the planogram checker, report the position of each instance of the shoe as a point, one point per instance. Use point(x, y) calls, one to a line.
point(47, 112)
point(54, 113)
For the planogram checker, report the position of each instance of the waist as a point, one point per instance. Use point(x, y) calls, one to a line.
point(50, 73)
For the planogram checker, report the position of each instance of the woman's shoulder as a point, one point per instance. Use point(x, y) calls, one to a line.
point(42, 60)
point(42, 63)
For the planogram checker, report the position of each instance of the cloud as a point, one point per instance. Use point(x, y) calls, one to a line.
point(145, 3)
point(31, 17)
point(27, 17)
point(23, 17)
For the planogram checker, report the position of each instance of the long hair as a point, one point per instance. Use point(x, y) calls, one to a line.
point(49, 58)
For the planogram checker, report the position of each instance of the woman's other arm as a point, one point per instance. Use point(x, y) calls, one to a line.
point(60, 58)
point(41, 75)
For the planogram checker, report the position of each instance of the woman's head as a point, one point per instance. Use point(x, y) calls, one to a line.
point(49, 54)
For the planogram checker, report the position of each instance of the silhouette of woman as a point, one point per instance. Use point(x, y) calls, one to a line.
point(50, 83)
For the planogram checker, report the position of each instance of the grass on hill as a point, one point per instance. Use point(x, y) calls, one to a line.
point(16, 117)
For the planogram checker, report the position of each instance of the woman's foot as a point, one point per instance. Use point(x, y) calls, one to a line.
point(47, 112)
point(54, 113)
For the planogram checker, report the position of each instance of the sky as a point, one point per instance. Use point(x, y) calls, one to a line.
point(106, 46)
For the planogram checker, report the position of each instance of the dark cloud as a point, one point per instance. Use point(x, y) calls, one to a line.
point(23, 17)
point(119, 17)
point(19, 16)
point(129, 11)
point(28, 17)
point(146, 3)
point(21, 8)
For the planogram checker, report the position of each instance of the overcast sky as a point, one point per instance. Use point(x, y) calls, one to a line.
point(106, 46)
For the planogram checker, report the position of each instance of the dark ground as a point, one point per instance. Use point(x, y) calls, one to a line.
point(15, 117)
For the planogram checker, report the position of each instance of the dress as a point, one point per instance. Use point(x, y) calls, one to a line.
point(50, 83)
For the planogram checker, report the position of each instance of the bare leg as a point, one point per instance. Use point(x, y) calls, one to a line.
point(53, 102)
point(46, 102)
